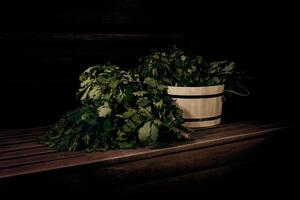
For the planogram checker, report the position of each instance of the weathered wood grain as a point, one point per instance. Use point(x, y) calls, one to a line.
point(21, 146)
point(17, 132)
point(202, 139)
point(26, 152)
point(214, 156)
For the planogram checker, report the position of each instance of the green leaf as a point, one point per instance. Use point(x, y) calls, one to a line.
point(229, 67)
point(137, 118)
point(216, 80)
point(84, 116)
point(162, 87)
point(114, 84)
point(119, 97)
point(104, 110)
point(95, 92)
point(145, 132)
point(86, 82)
point(154, 133)
point(149, 109)
point(148, 132)
point(125, 145)
point(92, 122)
point(193, 68)
point(85, 94)
point(139, 93)
point(156, 56)
point(88, 70)
point(107, 125)
point(154, 72)
point(88, 117)
point(157, 122)
point(127, 128)
point(142, 102)
point(129, 113)
point(73, 146)
point(86, 138)
point(144, 112)
point(159, 104)
point(179, 70)
point(150, 82)
point(131, 124)
point(107, 96)
point(121, 136)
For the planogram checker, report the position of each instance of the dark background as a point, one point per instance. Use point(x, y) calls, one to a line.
point(45, 46)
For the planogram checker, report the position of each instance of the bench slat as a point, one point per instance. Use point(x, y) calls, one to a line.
point(36, 159)
point(24, 131)
point(15, 141)
point(21, 146)
point(25, 153)
point(38, 133)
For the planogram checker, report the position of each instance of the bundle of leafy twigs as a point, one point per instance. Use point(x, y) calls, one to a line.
point(118, 111)
point(177, 68)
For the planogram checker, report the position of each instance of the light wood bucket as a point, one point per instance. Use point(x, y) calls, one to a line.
point(202, 106)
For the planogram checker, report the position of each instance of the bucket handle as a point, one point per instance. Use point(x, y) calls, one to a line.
point(247, 92)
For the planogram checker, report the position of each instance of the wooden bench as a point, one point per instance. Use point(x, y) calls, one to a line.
point(213, 156)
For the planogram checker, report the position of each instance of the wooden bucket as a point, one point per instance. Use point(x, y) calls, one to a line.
point(202, 106)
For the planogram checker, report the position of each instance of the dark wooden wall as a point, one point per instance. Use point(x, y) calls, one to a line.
point(43, 49)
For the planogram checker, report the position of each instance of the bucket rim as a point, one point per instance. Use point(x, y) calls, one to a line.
point(191, 91)
point(210, 86)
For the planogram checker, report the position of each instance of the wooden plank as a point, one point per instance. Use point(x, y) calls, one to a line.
point(20, 135)
point(25, 152)
point(36, 159)
point(21, 146)
point(60, 164)
point(119, 156)
point(14, 141)
point(24, 131)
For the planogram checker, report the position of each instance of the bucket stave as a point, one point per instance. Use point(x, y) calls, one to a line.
point(202, 106)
